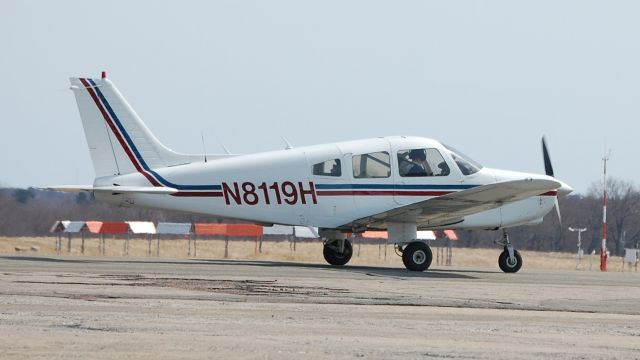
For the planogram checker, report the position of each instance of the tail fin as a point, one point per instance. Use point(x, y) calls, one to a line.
point(119, 142)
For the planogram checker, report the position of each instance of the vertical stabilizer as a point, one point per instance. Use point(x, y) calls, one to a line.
point(119, 142)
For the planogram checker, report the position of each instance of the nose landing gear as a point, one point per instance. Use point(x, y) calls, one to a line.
point(509, 260)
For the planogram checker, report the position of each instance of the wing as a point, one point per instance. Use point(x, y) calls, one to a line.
point(452, 208)
point(113, 189)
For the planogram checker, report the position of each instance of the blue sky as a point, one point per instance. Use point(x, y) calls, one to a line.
point(489, 78)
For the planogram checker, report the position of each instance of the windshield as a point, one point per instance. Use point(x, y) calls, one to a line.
point(464, 163)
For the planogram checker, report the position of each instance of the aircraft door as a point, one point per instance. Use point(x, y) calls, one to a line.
point(371, 177)
point(421, 172)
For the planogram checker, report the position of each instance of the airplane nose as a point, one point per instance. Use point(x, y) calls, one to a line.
point(564, 189)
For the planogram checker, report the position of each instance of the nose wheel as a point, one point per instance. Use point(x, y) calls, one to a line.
point(509, 260)
point(510, 264)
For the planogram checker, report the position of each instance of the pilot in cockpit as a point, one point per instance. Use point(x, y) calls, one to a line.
point(416, 165)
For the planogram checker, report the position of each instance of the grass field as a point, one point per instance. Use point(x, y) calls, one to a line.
point(364, 254)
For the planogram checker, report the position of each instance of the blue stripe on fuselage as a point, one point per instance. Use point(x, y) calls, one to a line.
point(391, 187)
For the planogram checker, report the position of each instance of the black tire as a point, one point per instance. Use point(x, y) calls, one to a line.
point(332, 253)
point(506, 265)
point(417, 256)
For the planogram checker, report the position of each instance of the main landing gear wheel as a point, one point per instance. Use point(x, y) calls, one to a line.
point(333, 254)
point(417, 256)
point(508, 264)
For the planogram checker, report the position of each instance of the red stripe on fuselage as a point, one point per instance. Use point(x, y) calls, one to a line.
point(115, 131)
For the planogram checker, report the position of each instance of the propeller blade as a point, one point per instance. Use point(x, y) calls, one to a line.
point(557, 206)
point(548, 168)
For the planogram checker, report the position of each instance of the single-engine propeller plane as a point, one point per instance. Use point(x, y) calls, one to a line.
point(400, 184)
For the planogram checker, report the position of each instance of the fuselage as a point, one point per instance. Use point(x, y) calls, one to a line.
point(328, 185)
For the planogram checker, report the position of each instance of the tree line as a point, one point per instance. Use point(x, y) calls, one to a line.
point(31, 212)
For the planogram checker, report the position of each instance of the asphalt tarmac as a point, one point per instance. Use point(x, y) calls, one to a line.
point(105, 308)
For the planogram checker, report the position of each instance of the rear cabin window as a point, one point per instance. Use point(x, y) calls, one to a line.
point(372, 165)
point(328, 168)
point(422, 162)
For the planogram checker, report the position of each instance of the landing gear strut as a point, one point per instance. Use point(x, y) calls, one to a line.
point(337, 252)
point(509, 260)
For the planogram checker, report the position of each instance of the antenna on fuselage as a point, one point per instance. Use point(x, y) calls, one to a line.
point(204, 150)
point(226, 151)
point(289, 146)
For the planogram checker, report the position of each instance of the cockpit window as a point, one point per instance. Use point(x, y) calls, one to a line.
point(328, 168)
point(421, 162)
point(464, 163)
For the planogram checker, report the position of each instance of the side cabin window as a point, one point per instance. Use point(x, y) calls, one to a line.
point(328, 168)
point(372, 165)
point(422, 162)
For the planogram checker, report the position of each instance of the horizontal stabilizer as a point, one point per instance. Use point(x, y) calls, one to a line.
point(113, 189)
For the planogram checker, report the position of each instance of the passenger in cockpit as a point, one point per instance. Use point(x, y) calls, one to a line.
point(444, 169)
point(335, 169)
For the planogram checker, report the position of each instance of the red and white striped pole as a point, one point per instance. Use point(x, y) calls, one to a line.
point(603, 249)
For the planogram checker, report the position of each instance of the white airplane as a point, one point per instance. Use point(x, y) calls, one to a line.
point(400, 184)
